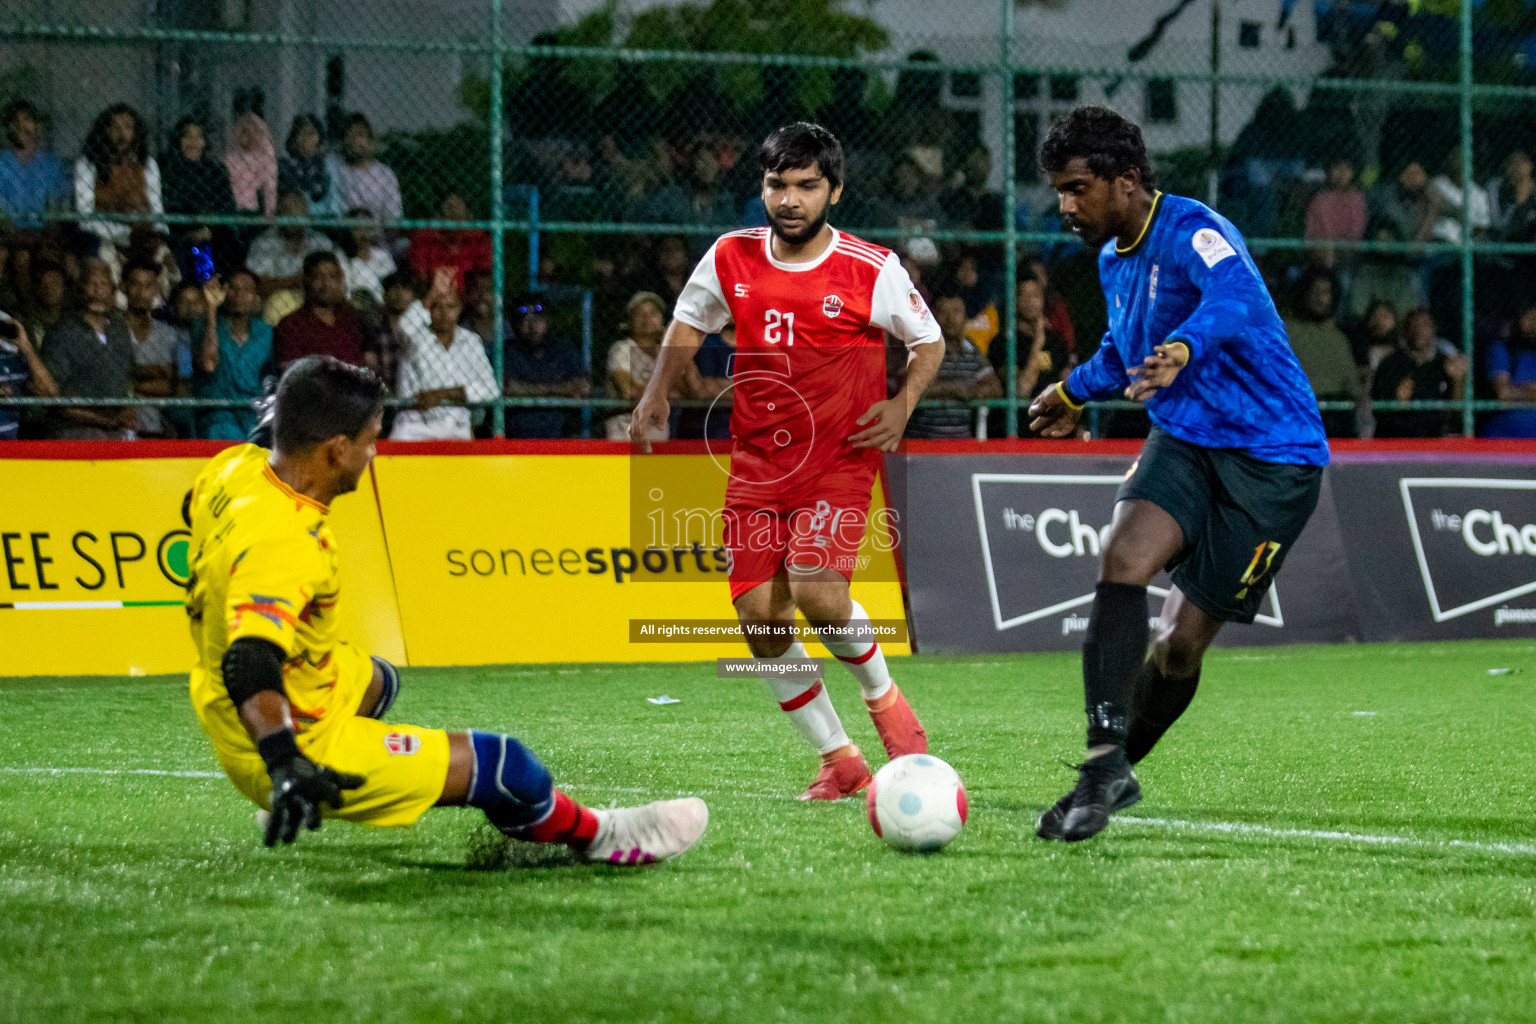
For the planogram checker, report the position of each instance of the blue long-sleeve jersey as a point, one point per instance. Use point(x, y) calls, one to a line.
point(1189, 278)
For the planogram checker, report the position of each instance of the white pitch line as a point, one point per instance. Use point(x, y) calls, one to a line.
point(111, 771)
point(1244, 828)
point(1173, 824)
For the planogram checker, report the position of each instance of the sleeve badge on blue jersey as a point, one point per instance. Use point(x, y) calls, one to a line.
point(1211, 247)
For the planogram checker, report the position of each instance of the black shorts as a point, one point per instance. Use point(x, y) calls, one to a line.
point(1239, 515)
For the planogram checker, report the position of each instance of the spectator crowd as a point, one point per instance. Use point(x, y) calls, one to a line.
point(110, 303)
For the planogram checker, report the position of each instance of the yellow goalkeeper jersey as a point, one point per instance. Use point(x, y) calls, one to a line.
point(264, 564)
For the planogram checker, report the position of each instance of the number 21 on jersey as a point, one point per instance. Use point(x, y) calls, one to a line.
point(778, 325)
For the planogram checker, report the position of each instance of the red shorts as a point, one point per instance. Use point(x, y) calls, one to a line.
point(763, 539)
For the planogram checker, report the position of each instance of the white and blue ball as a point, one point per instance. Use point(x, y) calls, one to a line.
point(917, 803)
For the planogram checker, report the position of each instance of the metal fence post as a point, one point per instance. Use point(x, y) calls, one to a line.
point(1467, 419)
point(1010, 227)
point(498, 228)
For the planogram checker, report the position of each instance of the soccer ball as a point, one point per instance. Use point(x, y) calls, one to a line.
point(916, 803)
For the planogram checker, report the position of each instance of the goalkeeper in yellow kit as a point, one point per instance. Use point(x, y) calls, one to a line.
point(294, 711)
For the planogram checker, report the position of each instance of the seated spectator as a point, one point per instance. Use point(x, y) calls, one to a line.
point(1405, 203)
point(195, 183)
point(156, 347)
point(252, 164)
point(364, 262)
point(1446, 197)
point(306, 167)
point(1512, 372)
point(21, 373)
point(31, 180)
point(148, 246)
point(1058, 317)
point(385, 336)
point(1514, 200)
point(668, 271)
point(700, 201)
point(326, 324)
point(186, 305)
point(89, 355)
point(1337, 213)
point(457, 249)
point(447, 365)
point(1375, 337)
point(234, 354)
point(1043, 355)
point(983, 303)
point(576, 193)
point(1322, 349)
point(963, 376)
point(969, 203)
point(50, 294)
point(360, 179)
point(278, 254)
point(1383, 277)
point(116, 174)
point(1418, 370)
point(10, 294)
point(632, 360)
point(538, 366)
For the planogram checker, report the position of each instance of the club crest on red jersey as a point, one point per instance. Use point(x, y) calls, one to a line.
point(918, 305)
point(402, 742)
point(832, 305)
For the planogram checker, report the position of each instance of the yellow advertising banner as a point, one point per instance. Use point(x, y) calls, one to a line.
point(95, 562)
point(546, 558)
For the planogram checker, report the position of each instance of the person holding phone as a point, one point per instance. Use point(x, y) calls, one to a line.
point(234, 356)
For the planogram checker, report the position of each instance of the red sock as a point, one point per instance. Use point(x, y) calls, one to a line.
point(569, 823)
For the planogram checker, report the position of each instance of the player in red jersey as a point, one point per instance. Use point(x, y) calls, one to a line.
point(809, 421)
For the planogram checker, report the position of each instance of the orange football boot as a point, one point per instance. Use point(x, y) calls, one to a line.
point(898, 727)
point(844, 772)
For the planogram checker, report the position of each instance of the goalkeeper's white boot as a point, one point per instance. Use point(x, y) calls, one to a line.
point(649, 833)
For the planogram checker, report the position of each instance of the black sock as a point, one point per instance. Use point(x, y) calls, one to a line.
point(1112, 654)
point(1159, 703)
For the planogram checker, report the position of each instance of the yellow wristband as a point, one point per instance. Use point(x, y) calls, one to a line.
point(1061, 389)
point(1182, 345)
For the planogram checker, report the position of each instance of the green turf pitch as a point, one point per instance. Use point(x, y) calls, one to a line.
point(1228, 894)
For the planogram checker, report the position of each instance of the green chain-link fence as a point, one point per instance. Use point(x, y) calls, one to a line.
point(560, 158)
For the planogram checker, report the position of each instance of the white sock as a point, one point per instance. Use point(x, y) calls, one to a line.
point(863, 656)
point(808, 706)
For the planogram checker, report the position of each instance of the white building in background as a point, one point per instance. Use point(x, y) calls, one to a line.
point(414, 86)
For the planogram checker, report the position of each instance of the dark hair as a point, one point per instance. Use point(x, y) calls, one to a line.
point(13, 110)
point(238, 270)
point(1111, 145)
point(97, 147)
point(300, 122)
point(399, 279)
point(314, 259)
point(178, 132)
point(320, 397)
point(800, 145)
point(348, 244)
point(137, 266)
point(355, 119)
point(1310, 277)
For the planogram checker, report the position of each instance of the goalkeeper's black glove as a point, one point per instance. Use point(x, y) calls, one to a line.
point(299, 787)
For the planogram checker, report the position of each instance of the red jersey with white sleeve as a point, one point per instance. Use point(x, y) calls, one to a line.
point(809, 361)
point(810, 354)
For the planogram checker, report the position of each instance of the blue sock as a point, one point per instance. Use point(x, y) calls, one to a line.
point(509, 784)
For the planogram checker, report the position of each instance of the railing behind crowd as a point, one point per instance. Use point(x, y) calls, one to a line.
point(505, 189)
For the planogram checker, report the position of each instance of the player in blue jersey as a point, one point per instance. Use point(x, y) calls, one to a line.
point(1232, 468)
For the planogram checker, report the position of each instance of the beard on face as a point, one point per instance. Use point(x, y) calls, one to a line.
point(805, 234)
